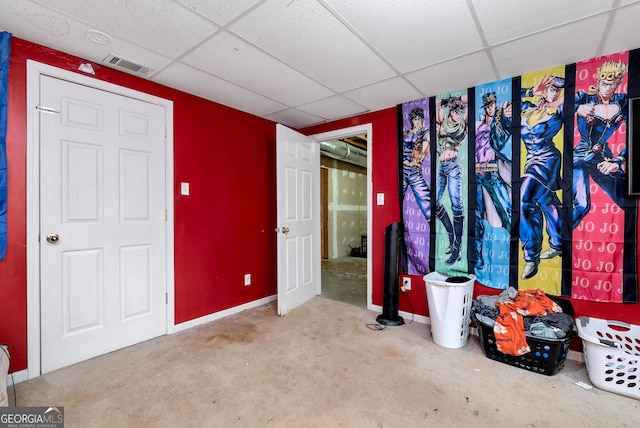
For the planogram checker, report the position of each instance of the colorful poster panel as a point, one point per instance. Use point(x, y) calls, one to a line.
point(416, 192)
point(601, 207)
point(493, 172)
point(542, 137)
point(452, 176)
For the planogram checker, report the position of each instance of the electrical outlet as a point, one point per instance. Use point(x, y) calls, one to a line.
point(247, 279)
point(406, 283)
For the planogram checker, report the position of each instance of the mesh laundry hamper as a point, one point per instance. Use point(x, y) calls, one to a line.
point(449, 300)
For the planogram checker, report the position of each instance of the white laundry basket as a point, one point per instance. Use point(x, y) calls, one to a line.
point(449, 300)
point(612, 354)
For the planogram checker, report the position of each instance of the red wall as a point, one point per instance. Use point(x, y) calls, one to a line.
point(223, 230)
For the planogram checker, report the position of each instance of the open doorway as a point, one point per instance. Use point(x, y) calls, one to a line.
point(345, 215)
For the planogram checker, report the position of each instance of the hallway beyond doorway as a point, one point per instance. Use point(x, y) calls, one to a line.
point(345, 279)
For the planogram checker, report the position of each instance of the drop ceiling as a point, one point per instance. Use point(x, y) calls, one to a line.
point(304, 62)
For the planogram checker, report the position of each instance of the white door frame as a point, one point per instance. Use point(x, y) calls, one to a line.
point(366, 128)
point(34, 70)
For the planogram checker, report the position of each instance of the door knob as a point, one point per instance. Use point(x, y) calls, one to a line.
point(52, 238)
point(285, 229)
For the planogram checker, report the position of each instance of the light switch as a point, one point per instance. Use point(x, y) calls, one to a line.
point(184, 189)
point(380, 198)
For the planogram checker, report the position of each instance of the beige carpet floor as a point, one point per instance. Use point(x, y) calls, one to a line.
point(319, 366)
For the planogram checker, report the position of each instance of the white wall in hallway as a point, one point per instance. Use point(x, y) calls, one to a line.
point(347, 200)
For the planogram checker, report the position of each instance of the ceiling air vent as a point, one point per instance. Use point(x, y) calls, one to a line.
point(120, 63)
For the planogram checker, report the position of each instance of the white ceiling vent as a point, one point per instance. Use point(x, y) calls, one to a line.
point(122, 64)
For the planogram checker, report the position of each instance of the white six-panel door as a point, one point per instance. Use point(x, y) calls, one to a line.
point(102, 222)
point(298, 216)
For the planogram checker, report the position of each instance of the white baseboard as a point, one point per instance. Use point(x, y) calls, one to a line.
point(17, 377)
point(407, 316)
point(575, 356)
point(218, 315)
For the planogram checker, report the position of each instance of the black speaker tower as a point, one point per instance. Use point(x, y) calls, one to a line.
point(392, 259)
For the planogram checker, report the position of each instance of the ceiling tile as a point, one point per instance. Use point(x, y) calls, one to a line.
point(624, 32)
point(161, 26)
point(413, 34)
point(385, 94)
point(332, 108)
point(465, 72)
point(550, 49)
point(307, 37)
point(32, 22)
point(233, 59)
point(220, 12)
point(504, 21)
point(197, 82)
point(295, 118)
point(295, 58)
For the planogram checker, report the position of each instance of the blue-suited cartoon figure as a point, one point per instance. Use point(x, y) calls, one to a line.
point(542, 117)
point(493, 169)
point(599, 113)
point(415, 148)
point(452, 130)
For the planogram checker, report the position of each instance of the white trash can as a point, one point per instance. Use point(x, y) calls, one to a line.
point(449, 300)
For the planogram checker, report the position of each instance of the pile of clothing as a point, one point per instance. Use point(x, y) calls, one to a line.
point(514, 315)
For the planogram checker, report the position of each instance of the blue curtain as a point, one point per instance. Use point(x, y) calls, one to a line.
point(5, 46)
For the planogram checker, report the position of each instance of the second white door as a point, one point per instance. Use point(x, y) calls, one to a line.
point(298, 216)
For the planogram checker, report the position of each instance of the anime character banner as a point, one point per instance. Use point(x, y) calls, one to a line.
point(416, 190)
point(5, 45)
point(603, 214)
point(452, 128)
point(541, 205)
point(541, 151)
point(492, 182)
